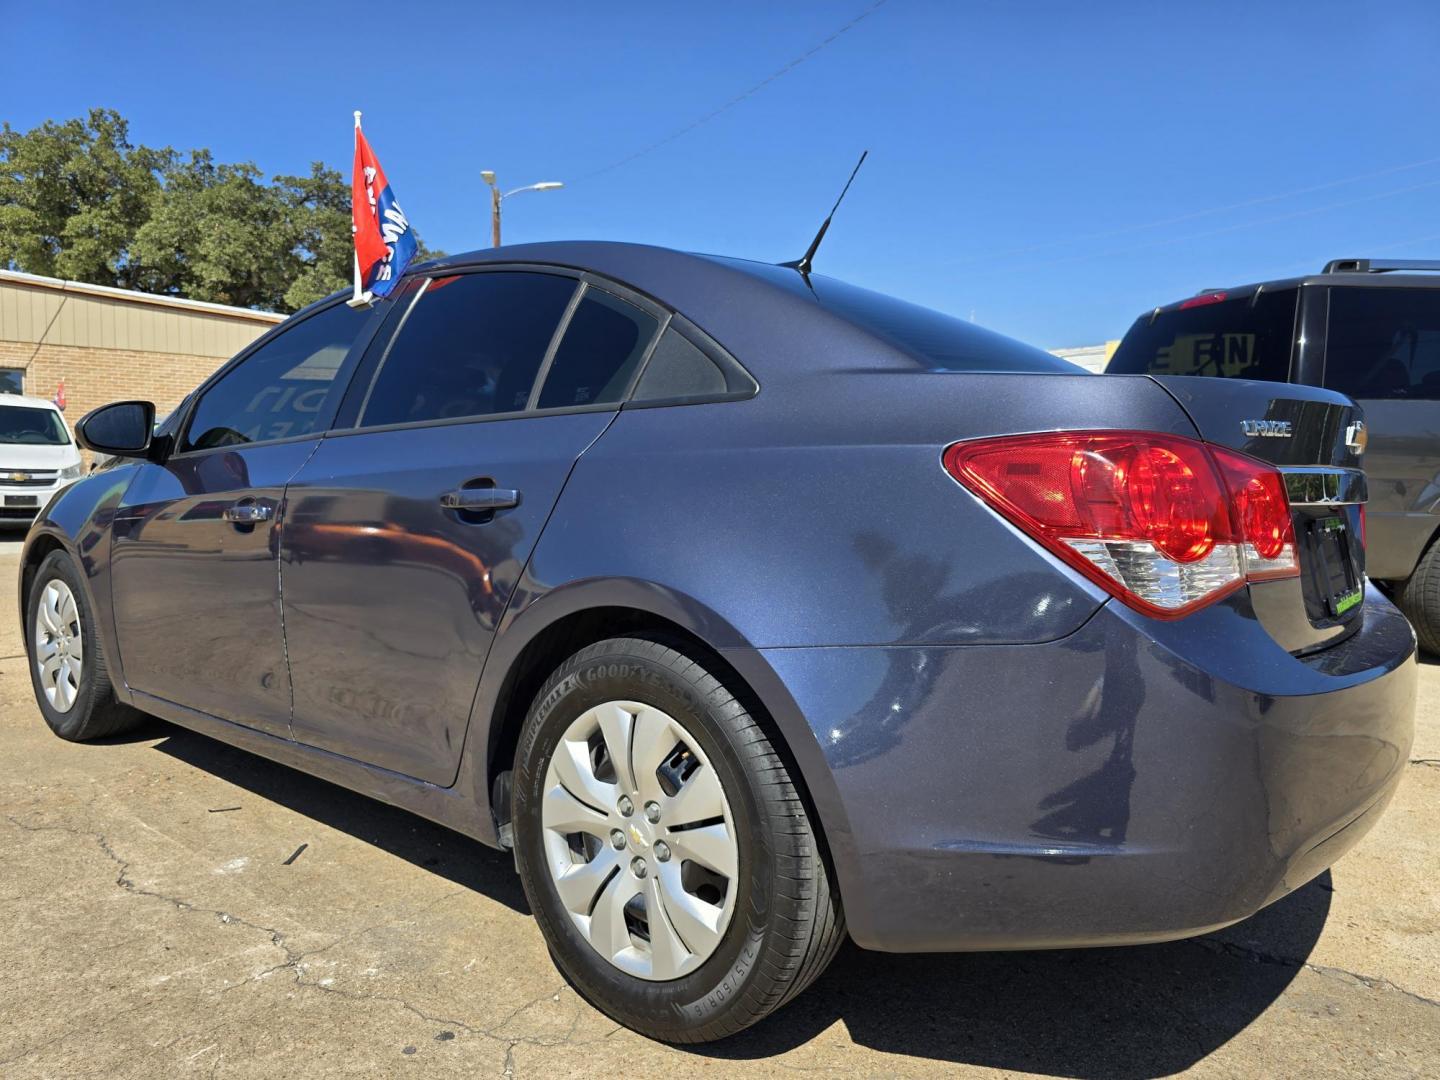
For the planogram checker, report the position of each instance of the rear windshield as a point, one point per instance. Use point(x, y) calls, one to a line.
point(1246, 338)
point(37, 427)
point(939, 342)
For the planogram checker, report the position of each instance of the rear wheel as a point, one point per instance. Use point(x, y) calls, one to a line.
point(664, 848)
point(1419, 598)
point(67, 663)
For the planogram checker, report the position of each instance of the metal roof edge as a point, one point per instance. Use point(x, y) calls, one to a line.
point(110, 292)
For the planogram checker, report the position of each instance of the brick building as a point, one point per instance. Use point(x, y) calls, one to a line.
point(109, 344)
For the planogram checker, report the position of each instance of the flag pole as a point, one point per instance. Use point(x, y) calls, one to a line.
point(358, 298)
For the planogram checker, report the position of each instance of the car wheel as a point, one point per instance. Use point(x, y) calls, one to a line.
point(1419, 598)
point(664, 847)
point(67, 663)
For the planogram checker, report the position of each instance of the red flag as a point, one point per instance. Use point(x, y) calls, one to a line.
point(384, 241)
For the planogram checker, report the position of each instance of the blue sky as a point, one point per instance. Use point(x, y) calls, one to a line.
point(1049, 168)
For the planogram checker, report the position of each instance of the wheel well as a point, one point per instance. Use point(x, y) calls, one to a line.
point(558, 642)
point(39, 549)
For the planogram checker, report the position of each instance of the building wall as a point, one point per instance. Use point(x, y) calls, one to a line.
point(111, 344)
point(1090, 357)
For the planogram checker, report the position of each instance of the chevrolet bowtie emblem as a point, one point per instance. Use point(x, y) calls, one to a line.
point(1356, 438)
point(637, 838)
point(19, 477)
point(1266, 429)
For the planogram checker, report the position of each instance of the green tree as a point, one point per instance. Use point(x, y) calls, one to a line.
point(73, 195)
point(77, 200)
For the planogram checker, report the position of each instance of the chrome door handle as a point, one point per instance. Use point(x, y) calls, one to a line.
point(480, 499)
point(247, 513)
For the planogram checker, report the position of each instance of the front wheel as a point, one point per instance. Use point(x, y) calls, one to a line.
point(664, 847)
point(67, 663)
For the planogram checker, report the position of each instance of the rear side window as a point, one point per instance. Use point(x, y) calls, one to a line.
point(679, 369)
point(1384, 343)
point(471, 346)
point(279, 390)
point(603, 345)
point(1245, 338)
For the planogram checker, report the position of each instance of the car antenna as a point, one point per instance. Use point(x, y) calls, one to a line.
point(803, 263)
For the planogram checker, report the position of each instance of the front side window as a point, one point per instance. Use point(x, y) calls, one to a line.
point(603, 345)
point(1249, 337)
point(1384, 343)
point(279, 390)
point(471, 346)
point(32, 427)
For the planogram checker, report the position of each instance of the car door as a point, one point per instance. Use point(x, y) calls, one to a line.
point(195, 539)
point(1382, 348)
point(409, 527)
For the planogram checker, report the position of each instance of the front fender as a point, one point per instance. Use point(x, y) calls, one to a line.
point(78, 519)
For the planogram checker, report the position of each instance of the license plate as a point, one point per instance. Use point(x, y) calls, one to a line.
point(22, 500)
point(1333, 565)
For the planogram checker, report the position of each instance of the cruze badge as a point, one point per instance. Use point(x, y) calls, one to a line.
point(1356, 438)
point(1266, 429)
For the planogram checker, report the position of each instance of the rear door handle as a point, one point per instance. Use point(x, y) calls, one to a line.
point(480, 499)
point(247, 513)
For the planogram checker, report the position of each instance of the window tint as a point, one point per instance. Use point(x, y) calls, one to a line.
point(1384, 343)
point(678, 369)
point(471, 346)
point(1234, 339)
point(603, 344)
point(281, 388)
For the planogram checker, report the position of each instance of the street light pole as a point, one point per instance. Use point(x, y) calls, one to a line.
point(496, 198)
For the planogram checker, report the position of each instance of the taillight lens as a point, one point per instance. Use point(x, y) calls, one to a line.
point(1165, 523)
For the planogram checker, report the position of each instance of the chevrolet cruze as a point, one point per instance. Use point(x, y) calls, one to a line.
point(750, 610)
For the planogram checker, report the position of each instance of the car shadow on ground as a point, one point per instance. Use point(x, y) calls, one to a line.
point(432, 847)
point(1138, 1012)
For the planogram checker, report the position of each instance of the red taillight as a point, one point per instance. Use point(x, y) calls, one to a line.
point(1167, 524)
point(1202, 300)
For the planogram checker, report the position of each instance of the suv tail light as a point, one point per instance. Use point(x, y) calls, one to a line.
point(1165, 523)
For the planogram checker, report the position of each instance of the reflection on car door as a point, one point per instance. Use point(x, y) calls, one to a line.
point(407, 534)
point(194, 573)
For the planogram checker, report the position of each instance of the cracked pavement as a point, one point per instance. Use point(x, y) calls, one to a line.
point(149, 929)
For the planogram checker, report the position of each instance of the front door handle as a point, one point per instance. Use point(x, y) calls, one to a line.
point(247, 513)
point(480, 499)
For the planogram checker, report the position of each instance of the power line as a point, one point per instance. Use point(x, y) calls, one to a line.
point(791, 66)
point(1259, 200)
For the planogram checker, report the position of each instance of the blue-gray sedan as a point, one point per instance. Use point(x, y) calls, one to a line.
point(750, 610)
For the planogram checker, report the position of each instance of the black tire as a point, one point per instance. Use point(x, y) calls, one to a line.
point(1419, 598)
point(787, 922)
point(95, 712)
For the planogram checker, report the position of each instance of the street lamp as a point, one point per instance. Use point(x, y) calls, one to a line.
point(496, 197)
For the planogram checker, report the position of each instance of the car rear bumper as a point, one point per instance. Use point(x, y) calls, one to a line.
point(1135, 781)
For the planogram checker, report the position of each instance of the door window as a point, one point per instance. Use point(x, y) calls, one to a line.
point(282, 388)
point(604, 343)
point(471, 346)
point(1384, 343)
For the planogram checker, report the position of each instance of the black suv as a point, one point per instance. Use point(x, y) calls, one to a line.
point(1367, 328)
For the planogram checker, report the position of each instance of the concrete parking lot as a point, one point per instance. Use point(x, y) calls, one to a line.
point(155, 920)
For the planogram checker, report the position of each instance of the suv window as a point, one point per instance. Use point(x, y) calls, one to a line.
point(1384, 343)
point(471, 346)
point(281, 388)
point(1246, 338)
point(603, 344)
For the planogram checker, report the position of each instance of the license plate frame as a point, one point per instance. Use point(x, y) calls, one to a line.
point(22, 501)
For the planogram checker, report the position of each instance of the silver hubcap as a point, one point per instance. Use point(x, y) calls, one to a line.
point(59, 645)
point(639, 840)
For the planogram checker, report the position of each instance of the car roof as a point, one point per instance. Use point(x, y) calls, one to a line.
point(21, 400)
point(768, 316)
point(1348, 280)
